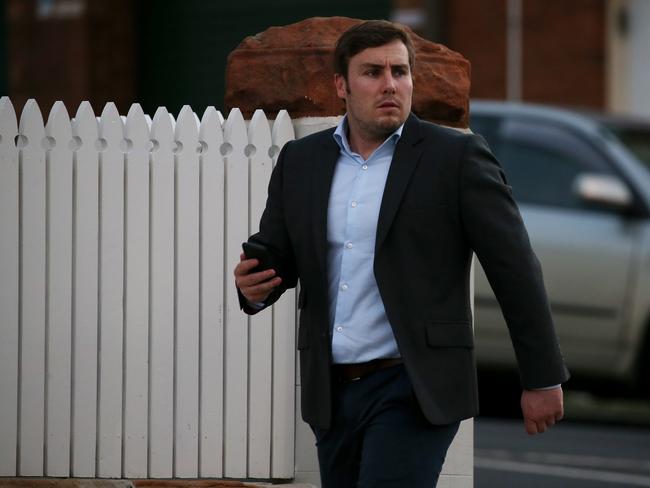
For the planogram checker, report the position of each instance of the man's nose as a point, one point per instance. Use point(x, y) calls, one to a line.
point(389, 82)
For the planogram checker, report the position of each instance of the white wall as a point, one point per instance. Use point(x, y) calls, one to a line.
point(639, 57)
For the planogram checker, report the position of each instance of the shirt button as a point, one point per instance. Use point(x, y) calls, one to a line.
point(353, 204)
point(344, 287)
point(339, 329)
point(348, 245)
point(365, 166)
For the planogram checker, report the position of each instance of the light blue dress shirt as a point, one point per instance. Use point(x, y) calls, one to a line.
point(360, 328)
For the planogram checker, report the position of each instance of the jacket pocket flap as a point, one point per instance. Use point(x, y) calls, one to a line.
point(450, 334)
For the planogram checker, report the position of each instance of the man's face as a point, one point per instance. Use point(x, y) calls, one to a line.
point(378, 90)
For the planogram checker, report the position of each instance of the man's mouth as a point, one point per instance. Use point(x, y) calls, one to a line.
point(389, 104)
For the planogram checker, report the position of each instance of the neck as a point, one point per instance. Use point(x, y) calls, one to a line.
point(364, 144)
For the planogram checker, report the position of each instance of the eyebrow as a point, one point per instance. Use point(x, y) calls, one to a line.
point(381, 66)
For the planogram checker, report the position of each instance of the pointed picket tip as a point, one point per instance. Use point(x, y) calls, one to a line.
point(110, 110)
point(31, 121)
point(234, 131)
point(135, 116)
point(85, 124)
point(137, 129)
point(221, 118)
point(283, 130)
point(161, 127)
point(259, 131)
point(172, 120)
point(210, 130)
point(8, 122)
point(110, 123)
point(187, 129)
point(211, 117)
point(58, 123)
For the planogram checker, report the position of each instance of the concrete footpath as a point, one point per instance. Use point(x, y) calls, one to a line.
point(105, 483)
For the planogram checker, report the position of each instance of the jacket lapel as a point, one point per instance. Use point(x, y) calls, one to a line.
point(405, 159)
point(321, 185)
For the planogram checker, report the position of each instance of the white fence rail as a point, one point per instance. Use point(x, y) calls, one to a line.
point(123, 352)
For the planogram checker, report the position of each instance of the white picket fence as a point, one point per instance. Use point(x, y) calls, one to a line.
point(123, 352)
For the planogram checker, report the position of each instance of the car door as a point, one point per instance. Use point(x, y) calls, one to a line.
point(585, 252)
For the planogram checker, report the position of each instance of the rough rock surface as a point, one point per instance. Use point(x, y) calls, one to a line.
point(291, 68)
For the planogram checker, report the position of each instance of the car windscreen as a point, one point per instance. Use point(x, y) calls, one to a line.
point(636, 140)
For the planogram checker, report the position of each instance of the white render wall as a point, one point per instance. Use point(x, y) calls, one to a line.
point(639, 57)
point(628, 57)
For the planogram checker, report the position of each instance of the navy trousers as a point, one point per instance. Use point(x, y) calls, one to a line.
point(379, 437)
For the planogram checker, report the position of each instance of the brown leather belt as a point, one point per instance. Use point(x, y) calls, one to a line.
point(356, 371)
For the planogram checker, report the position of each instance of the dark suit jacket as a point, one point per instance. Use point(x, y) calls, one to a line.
point(445, 196)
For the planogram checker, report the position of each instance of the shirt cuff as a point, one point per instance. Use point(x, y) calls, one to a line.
point(553, 387)
point(255, 305)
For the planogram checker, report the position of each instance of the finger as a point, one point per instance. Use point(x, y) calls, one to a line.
point(262, 288)
point(531, 427)
point(252, 279)
point(244, 267)
point(265, 286)
point(541, 426)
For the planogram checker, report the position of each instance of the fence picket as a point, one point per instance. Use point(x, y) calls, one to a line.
point(111, 282)
point(187, 296)
point(284, 334)
point(124, 352)
point(85, 302)
point(9, 272)
point(136, 280)
point(161, 340)
point(212, 283)
point(261, 326)
point(59, 292)
point(32, 353)
point(236, 323)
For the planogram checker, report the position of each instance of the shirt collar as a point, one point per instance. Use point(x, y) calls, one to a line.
point(341, 138)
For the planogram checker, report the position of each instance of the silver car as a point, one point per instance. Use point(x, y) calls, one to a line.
point(582, 182)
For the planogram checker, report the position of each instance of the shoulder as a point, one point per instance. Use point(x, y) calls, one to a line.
point(441, 139)
point(429, 130)
point(313, 141)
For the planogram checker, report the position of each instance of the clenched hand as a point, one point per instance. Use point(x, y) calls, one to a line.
point(541, 409)
point(256, 287)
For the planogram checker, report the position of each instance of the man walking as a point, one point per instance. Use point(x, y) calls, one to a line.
point(378, 219)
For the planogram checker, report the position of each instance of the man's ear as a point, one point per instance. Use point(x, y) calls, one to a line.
point(341, 85)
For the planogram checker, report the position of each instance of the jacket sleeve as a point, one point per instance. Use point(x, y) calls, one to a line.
point(496, 233)
point(273, 233)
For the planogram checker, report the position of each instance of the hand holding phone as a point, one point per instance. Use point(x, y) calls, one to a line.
point(256, 282)
point(254, 250)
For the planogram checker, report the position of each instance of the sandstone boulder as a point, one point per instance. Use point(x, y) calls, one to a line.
point(291, 67)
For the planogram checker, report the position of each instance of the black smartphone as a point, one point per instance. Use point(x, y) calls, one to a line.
point(260, 252)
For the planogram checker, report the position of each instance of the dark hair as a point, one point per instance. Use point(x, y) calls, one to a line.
point(371, 33)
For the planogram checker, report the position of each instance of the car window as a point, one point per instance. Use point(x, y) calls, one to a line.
point(542, 162)
point(539, 175)
point(636, 140)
